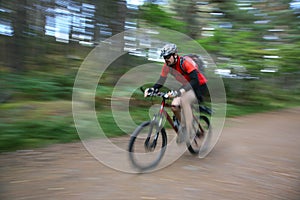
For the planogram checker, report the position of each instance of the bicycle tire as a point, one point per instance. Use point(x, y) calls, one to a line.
point(195, 143)
point(139, 154)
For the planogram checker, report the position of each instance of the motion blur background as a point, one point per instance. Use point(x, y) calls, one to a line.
point(254, 43)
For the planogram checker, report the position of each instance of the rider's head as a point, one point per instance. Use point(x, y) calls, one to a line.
point(169, 52)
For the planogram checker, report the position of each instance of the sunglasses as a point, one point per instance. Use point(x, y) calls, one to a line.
point(168, 56)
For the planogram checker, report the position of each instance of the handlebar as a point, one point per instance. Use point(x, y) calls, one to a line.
point(157, 94)
point(165, 96)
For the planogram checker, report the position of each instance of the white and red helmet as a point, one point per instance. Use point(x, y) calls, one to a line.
point(168, 49)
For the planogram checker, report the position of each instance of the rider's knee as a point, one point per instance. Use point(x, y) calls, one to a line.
point(175, 108)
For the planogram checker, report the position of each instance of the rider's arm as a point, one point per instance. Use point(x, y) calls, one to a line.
point(194, 82)
point(163, 77)
point(161, 81)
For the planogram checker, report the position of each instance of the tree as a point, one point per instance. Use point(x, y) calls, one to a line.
point(187, 10)
point(16, 43)
point(153, 14)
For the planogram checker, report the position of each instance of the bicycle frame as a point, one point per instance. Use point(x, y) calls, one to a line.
point(162, 111)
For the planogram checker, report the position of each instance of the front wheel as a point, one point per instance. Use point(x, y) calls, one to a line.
point(147, 145)
point(200, 135)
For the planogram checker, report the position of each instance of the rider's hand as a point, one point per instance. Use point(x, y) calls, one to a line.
point(172, 94)
point(149, 92)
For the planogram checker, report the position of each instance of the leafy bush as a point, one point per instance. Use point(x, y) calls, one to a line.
point(42, 87)
point(152, 13)
point(24, 134)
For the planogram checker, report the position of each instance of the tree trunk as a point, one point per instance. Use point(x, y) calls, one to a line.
point(17, 43)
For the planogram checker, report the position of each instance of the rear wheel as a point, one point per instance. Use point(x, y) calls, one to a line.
point(199, 135)
point(147, 145)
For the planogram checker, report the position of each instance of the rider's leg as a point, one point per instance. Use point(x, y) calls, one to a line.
point(187, 99)
point(176, 108)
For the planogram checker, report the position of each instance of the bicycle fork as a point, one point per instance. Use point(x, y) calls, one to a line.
point(150, 145)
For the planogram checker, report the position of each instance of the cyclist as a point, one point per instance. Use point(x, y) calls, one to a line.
point(193, 86)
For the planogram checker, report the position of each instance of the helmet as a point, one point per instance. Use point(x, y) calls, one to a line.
point(168, 49)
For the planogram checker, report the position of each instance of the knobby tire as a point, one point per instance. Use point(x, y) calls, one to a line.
point(138, 139)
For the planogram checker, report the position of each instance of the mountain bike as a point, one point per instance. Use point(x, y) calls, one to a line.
point(148, 142)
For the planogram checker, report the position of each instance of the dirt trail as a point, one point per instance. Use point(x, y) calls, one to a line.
point(256, 157)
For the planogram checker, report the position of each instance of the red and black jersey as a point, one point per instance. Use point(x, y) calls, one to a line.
point(181, 74)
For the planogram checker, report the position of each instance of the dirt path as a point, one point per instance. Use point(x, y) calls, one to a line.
point(261, 163)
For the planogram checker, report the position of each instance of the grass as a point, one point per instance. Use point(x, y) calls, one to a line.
point(28, 123)
point(36, 124)
point(33, 124)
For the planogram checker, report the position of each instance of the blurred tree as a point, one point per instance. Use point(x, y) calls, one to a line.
point(155, 15)
point(29, 44)
point(262, 34)
point(16, 43)
point(187, 10)
point(112, 13)
point(244, 40)
point(36, 46)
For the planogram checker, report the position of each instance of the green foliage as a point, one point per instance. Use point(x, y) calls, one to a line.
point(244, 48)
point(28, 124)
point(24, 133)
point(39, 87)
point(290, 57)
point(153, 14)
point(238, 45)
